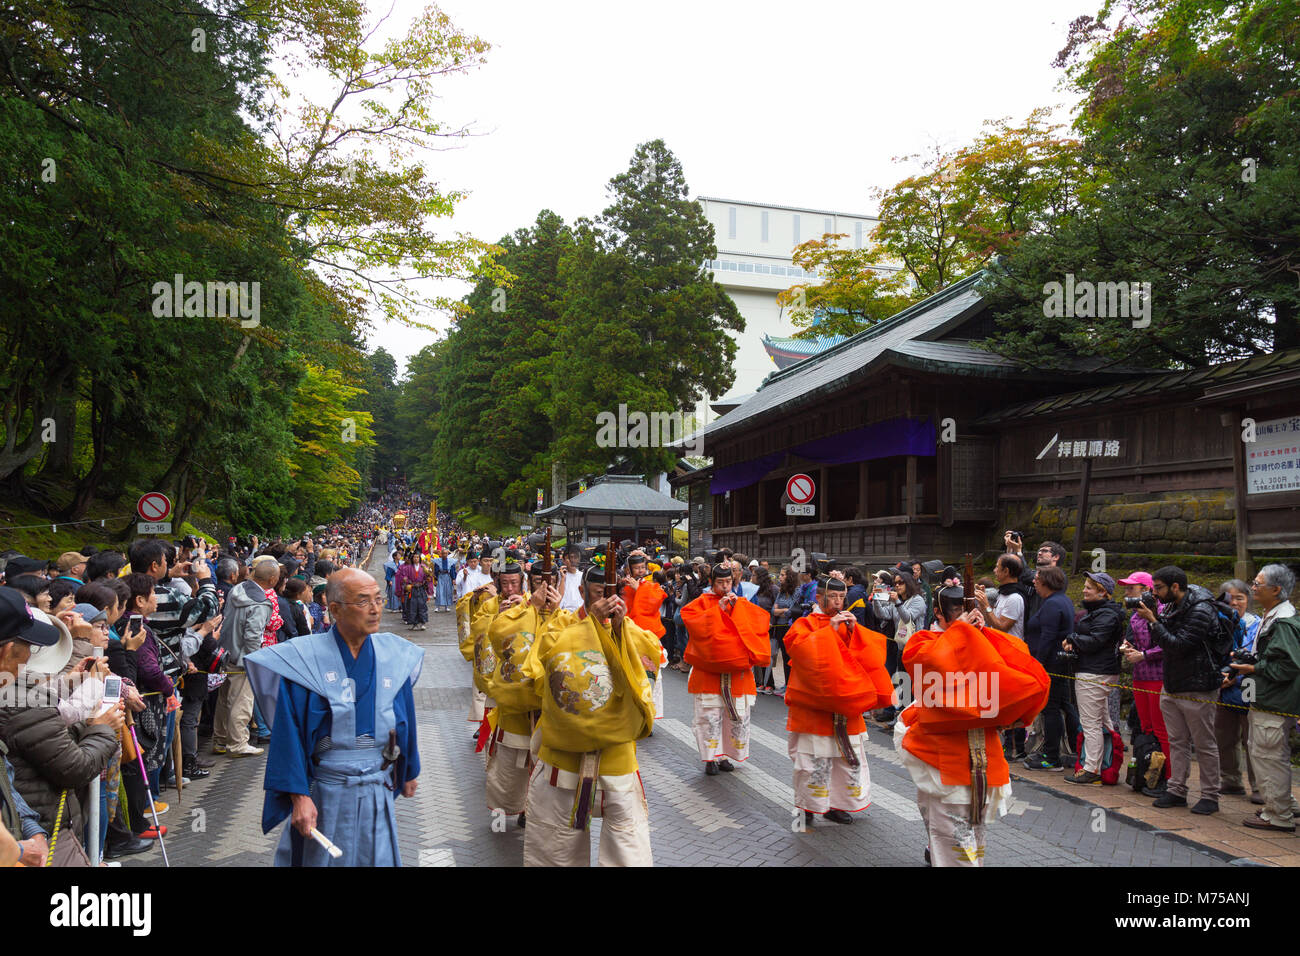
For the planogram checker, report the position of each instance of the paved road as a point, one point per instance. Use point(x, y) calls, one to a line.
point(741, 819)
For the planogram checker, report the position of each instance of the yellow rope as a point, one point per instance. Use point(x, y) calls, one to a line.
point(1196, 700)
point(58, 819)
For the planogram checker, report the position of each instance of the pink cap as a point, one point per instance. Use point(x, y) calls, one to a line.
point(1138, 577)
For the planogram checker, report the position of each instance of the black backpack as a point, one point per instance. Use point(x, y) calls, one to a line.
point(1147, 766)
point(1231, 629)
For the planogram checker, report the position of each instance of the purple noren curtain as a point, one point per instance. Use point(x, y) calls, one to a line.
point(897, 436)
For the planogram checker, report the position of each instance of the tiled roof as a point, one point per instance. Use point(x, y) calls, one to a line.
point(620, 495)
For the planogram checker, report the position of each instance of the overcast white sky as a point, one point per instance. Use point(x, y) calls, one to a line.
point(801, 104)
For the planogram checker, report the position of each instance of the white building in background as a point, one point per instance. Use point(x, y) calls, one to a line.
point(755, 242)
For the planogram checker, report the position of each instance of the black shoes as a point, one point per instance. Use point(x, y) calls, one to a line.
point(838, 816)
point(128, 847)
point(520, 821)
point(726, 766)
point(1205, 807)
point(711, 768)
point(1166, 800)
point(808, 818)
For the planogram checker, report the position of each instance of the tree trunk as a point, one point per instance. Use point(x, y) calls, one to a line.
point(1286, 334)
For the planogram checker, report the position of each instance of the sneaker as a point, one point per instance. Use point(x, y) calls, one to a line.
point(245, 751)
point(1083, 776)
point(1206, 807)
point(1233, 791)
point(159, 808)
point(1020, 756)
point(126, 848)
point(1167, 800)
point(1042, 763)
point(152, 833)
point(218, 748)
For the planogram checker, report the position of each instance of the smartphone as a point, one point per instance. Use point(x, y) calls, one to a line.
point(112, 693)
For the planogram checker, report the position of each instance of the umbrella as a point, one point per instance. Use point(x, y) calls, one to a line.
point(177, 762)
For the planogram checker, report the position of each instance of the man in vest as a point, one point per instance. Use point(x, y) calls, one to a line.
point(589, 681)
point(968, 683)
point(837, 672)
point(728, 639)
point(343, 736)
point(511, 635)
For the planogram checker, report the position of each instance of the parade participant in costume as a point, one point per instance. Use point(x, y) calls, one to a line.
point(969, 683)
point(414, 582)
point(643, 597)
point(505, 592)
point(837, 672)
point(727, 640)
point(444, 571)
point(390, 581)
point(472, 584)
point(343, 739)
point(511, 635)
point(589, 681)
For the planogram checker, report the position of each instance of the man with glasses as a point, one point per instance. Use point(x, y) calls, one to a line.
point(343, 737)
point(1274, 682)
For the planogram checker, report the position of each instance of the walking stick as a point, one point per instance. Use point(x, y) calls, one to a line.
point(139, 756)
point(177, 757)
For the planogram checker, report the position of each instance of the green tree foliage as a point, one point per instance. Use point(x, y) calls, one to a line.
point(142, 141)
point(1191, 145)
point(948, 221)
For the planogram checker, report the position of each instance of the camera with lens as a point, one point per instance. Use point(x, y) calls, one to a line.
point(210, 656)
point(1244, 657)
point(1147, 598)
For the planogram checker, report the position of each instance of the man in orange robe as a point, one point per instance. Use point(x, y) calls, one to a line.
point(969, 682)
point(643, 597)
point(728, 639)
point(837, 672)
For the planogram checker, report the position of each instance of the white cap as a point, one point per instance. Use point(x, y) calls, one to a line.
point(754, 563)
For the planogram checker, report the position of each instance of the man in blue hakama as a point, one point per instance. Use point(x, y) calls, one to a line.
point(336, 697)
point(445, 570)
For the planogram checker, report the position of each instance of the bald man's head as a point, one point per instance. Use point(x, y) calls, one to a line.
point(343, 585)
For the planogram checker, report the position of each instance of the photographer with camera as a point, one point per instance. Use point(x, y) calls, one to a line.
point(1141, 650)
point(1275, 675)
point(1187, 629)
point(1232, 716)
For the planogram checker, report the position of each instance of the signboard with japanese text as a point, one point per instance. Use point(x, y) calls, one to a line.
point(1273, 458)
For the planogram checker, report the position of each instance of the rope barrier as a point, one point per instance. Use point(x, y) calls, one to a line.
point(1195, 700)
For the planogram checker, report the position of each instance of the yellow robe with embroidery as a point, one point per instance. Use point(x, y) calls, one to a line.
point(593, 693)
point(483, 657)
point(466, 608)
point(511, 636)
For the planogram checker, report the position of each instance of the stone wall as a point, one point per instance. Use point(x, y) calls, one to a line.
point(1175, 522)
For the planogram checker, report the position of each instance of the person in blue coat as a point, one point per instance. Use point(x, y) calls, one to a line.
point(341, 700)
point(444, 569)
point(390, 575)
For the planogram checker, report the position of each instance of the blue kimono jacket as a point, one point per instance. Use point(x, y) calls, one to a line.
point(333, 713)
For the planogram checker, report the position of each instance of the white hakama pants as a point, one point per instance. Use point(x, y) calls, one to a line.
point(619, 801)
point(823, 779)
point(716, 734)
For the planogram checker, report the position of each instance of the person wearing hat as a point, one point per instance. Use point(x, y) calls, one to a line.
point(1147, 657)
point(473, 587)
point(49, 757)
point(589, 682)
point(412, 585)
point(967, 683)
point(72, 565)
point(837, 671)
point(727, 640)
point(643, 597)
point(1096, 639)
point(511, 635)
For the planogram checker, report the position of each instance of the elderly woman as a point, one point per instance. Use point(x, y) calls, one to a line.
point(1096, 639)
point(1231, 718)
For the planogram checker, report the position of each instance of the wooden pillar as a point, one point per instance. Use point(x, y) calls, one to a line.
point(1242, 567)
point(909, 496)
point(864, 485)
point(1083, 515)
